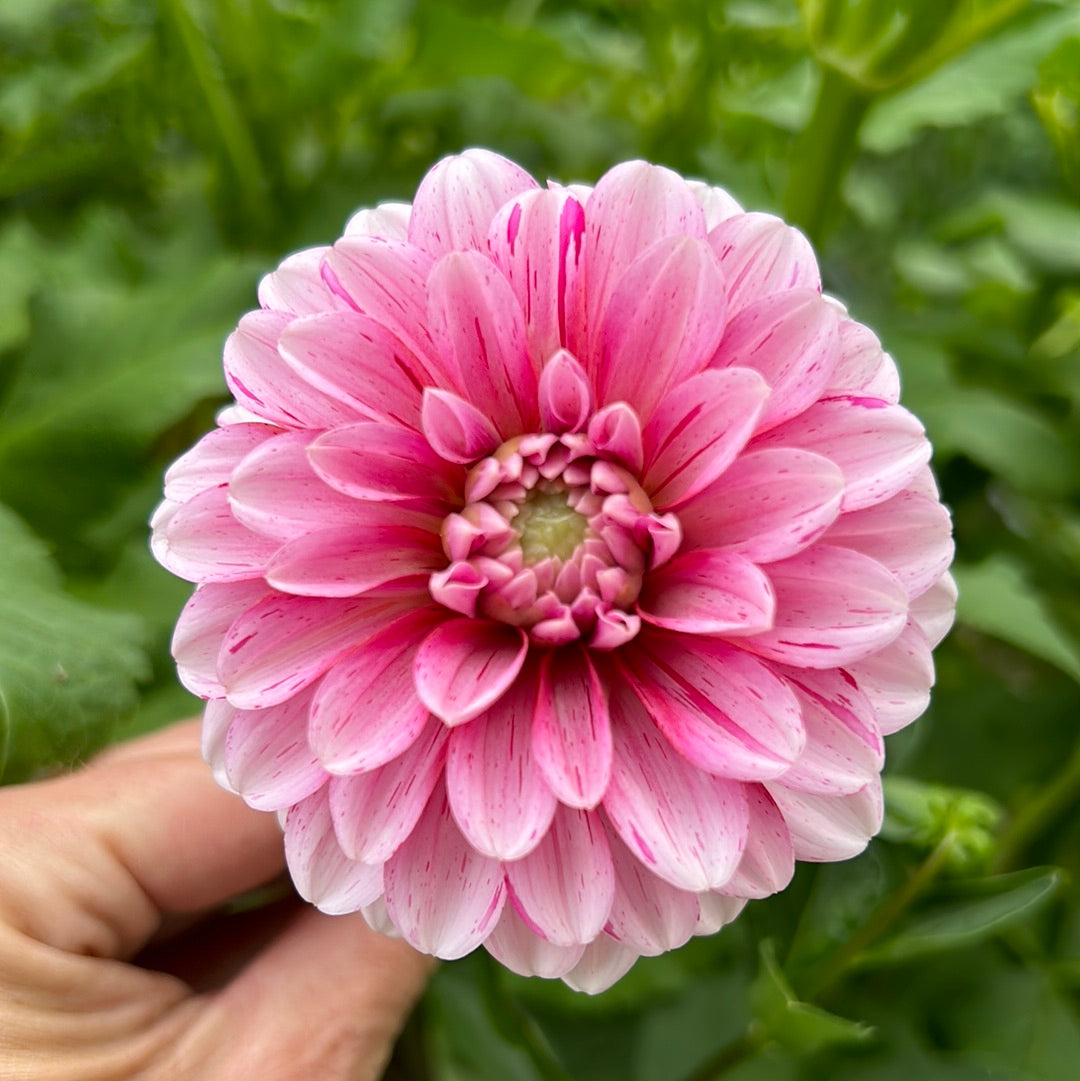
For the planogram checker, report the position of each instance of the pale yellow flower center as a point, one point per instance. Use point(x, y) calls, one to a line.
point(549, 527)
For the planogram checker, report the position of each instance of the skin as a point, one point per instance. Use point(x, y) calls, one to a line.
point(112, 965)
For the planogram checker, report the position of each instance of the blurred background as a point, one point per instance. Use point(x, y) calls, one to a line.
point(157, 157)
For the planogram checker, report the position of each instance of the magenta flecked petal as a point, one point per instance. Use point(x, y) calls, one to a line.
point(827, 828)
point(455, 429)
point(297, 285)
point(897, 679)
point(442, 895)
point(465, 666)
point(615, 431)
point(768, 861)
point(514, 944)
point(863, 368)
point(718, 204)
point(603, 962)
point(497, 792)
point(565, 395)
point(211, 461)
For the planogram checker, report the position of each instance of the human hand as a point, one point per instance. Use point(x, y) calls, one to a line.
point(99, 866)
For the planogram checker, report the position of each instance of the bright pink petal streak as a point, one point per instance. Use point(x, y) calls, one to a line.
point(768, 861)
point(374, 812)
point(897, 679)
point(565, 395)
point(828, 828)
point(466, 665)
point(456, 430)
point(571, 733)
point(297, 285)
point(833, 606)
point(709, 592)
point(442, 895)
point(770, 504)
point(791, 339)
point(724, 710)
point(521, 950)
point(497, 792)
point(211, 461)
point(685, 825)
point(564, 887)
point(322, 873)
point(662, 323)
point(366, 711)
point(458, 199)
point(603, 963)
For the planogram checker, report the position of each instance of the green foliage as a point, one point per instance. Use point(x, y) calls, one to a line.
point(156, 156)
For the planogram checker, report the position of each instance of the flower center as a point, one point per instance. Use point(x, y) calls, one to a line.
point(549, 527)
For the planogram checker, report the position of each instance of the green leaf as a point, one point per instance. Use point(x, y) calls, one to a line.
point(67, 670)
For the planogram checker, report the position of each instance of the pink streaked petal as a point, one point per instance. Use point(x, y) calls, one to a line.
point(565, 395)
point(202, 541)
point(383, 462)
point(267, 758)
point(697, 431)
point(374, 812)
point(321, 872)
point(685, 825)
point(297, 285)
point(760, 254)
point(708, 591)
point(632, 206)
point(201, 626)
point(217, 717)
point(358, 362)
point(717, 204)
point(211, 461)
point(478, 327)
point(878, 447)
point(662, 323)
point(835, 691)
point(648, 915)
point(833, 606)
point(791, 339)
point(571, 734)
point(897, 679)
point(910, 534)
point(459, 197)
point(390, 221)
point(564, 888)
point(725, 711)
point(366, 711)
point(466, 665)
point(935, 610)
point(456, 430)
point(497, 792)
point(442, 895)
point(717, 911)
point(603, 963)
point(768, 861)
point(828, 828)
point(769, 505)
point(536, 241)
point(615, 432)
point(862, 367)
point(514, 945)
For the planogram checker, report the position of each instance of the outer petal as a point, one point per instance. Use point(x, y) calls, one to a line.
point(829, 828)
point(514, 945)
point(497, 792)
point(768, 862)
point(443, 896)
point(603, 963)
point(564, 888)
point(863, 368)
point(297, 285)
point(897, 679)
point(717, 203)
point(685, 825)
point(389, 221)
point(211, 461)
point(717, 910)
point(935, 610)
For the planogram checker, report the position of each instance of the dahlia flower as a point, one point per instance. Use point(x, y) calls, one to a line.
point(560, 566)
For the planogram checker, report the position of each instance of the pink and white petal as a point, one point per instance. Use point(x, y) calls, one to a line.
point(378, 919)
point(442, 895)
point(648, 915)
point(211, 461)
point(321, 872)
point(717, 911)
point(563, 889)
point(203, 624)
point(663, 321)
point(297, 285)
point(828, 828)
point(722, 709)
point(833, 607)
point(910, 534)
point(768, 862)
point(383, 462)
point(836, 691)
point(565, 395)
point(459, 197)
point(709, 591)
point(536, 241)
point(374, 812)
point(878, 447)
point(760, 254)
point(769, 505)
point(791, 339)
point(685, 825)
point(571, 733)
point(358, 362)
point(217, 717)
point(497, 792)
point(388, 221)
point(366, 711)
point(465, 666)
point(603, 963)
point(478, 326)
point(202, 541)
point(455, 429)
point(718, 204)
point(897, 679)
point(519, 949)
point(615, 432)
point(267, 758)
point(632, 207)
point(697, 430)
point(935, 610)
point(863, 367)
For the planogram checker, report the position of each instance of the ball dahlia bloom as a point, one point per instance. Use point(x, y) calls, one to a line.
point(561, 565)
